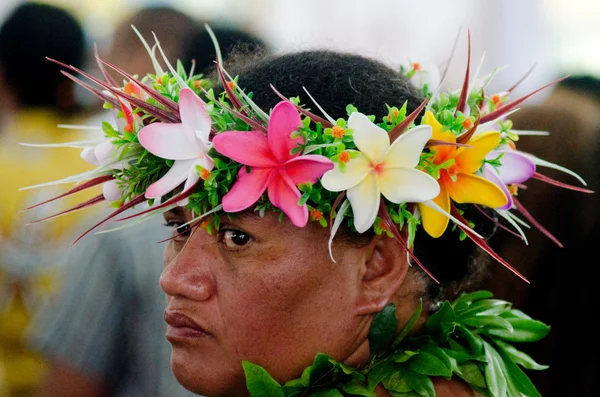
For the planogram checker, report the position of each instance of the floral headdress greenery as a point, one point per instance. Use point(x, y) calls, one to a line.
point(396, 172)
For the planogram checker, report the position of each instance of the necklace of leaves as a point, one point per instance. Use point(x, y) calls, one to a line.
point(469, 338)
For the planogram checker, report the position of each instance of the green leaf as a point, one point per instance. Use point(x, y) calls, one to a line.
point(327, 393)
point(524, 330)
point(259, 382)
point(422, 384)
point(475, 296)
point(403, 356)
point(409, 325)
point(486, 307)
point(488, 321)
point(519, 357)
point(473, 341)
point(357, 389)
point(494, 376)
point(428, 364)
point(439, 353)
point(516, 376)
point(109, 131)
point(383, 328)
point(471, 374)
point(322, 366)
point(442, 323)
point(397, 383)
point(379, 373)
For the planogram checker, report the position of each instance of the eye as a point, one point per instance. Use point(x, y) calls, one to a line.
point(235, 239)
point(179, 228)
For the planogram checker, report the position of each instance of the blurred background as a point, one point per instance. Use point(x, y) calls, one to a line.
point(79, 345)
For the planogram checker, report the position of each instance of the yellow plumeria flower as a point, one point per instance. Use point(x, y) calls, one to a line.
point(458, 182)
point(379, 167)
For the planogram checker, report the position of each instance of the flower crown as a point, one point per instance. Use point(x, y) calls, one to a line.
point(231, 156)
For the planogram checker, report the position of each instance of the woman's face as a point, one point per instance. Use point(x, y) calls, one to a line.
point(260, 290)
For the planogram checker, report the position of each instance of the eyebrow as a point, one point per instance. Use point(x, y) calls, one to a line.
point(177, 211)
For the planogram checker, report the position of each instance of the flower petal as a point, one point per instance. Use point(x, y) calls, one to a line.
point(173, 178)
point(475, 190)
point(307, 168)
point(111, 190)
point(245, 147)
point(284, 120)
point(407, 185)
point(470, 159)
point(104, 152)
point(369, 138)
point(194, 176)
point(194, 117)
point(168, 141)
point(247, 189)
point(433, 222)
point(284, 195)
point(491, 174)
point(406, 150)
point(356, 170)
point(515, 168)
point(364, 199)
point(436, 128)
point(89, 155)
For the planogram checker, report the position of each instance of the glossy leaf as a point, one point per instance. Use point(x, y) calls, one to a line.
point(259, 382)
point(383, 329)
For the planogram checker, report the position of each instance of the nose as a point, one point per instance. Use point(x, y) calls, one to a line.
point(189, 273)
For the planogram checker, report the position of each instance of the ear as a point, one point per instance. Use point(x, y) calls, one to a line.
point(384, 271)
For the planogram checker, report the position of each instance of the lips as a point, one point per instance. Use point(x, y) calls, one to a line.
point(180, 326)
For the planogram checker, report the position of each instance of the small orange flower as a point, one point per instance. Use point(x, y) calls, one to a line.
point(230, 84)
point(389, 117)
point(337, 132)
point(344, 157)
point(382, 225)
point(497, 100)
point(128, 127)
point(198, 84)
point(130, 88)
point(316, 215)
point(204, 224)
point(159, 80)
point(467, 124)
point(205, 174)
point(416, 66)
point(513, 189)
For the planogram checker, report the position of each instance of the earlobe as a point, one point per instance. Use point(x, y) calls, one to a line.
point(385, 270)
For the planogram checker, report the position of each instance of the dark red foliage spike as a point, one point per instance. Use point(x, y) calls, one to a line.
point(135, 201)
point(93, 90)
point(183, 195)
point(535, 223)
point(547, 179)
point(314, 118)
point(234, 99)
point(466, 137)
point(502, 110)
point(78, 188)
point(511, 89)
point(481, 101)
point(385, 216)
point(497, 222)
point(80, 206)
point(400, 128)
point(435, 142)
point(462, 100)
point(336, 203)
point(194, 225)
point(251, 122)
point(109, 80)
point(482, 244)
point(157, 112)
point(166, 102)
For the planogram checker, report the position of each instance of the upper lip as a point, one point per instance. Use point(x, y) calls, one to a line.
point(179, 320)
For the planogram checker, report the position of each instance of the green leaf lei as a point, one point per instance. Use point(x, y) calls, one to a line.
point(469, 338)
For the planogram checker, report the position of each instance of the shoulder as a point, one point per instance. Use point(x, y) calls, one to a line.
point(452, 388)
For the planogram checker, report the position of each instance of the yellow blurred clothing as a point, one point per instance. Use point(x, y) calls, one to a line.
point(30, 255)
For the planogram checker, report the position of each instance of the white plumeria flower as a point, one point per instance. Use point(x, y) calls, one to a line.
point(380, 168)
point(186, 143)
point(103, 155)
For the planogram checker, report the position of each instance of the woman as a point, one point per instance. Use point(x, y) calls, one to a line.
point(288, 273)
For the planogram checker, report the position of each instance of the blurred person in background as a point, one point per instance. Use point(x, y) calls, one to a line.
point(35, 97)
point(556, 296)
point(106, 333)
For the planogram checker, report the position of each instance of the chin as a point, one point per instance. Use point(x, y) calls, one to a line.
point(208, 377)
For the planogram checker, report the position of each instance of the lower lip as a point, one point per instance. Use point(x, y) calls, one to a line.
point(184, 332)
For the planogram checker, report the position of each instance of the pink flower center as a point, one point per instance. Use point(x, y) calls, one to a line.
point(377, 167)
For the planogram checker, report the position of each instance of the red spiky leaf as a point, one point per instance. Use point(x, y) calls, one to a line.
point(502, 110)
point(80, 206)
point(435, 142)
point(400, 128)
point(93, 90)
point(535, 223)
point(86, 185)
point(385, 217)
point(511, 89)
point(312, 116)
point(336, 203)
point(107, 77)
point(194, 225)
point(497, 223)
point(482, 244)
point(132, 203)
point(462, 100)
point(466, 137)
point(237, 104)
point(547, 179)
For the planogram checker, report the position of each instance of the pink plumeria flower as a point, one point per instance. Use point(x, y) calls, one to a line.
point(186, 143)
point(103, 155)
point(270, 165)
point(380, 168)
point(516, 168)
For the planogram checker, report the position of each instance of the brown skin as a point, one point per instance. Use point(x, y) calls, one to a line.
point(275, 298)
point(62, 380)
